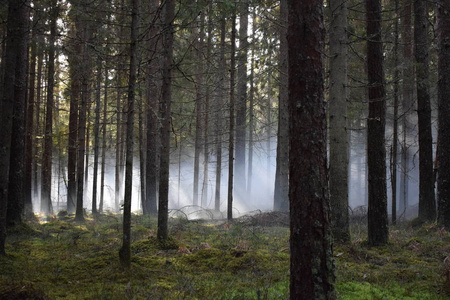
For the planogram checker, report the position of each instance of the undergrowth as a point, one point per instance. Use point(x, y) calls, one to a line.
point(62, 259)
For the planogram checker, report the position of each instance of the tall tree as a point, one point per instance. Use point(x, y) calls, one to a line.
point(165, 108)
point(241, 102)
point(125, 250)
point(96, 135)
point(427, 206)
point(231, 118)
point(376, 152)
point(152, 99)
point(338, 121)
point(281, 193)
point(198, 35)
point(407, 101)
point(16, 22)
point(443, 180)
point(311, 265)
point(46, 201)
point(16, 192)
point(220, 98)
point(394, 148)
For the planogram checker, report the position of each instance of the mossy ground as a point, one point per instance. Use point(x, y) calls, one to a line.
point(61, 259)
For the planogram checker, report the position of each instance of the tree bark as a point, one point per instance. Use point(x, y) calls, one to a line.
point(338, 121)
point(311, 262)
point(376, 152)
point(46, 201)
point(232, 120)
point(241, 103)
point(281, 192)
point(16, 193)
point(153, 142)
point(427, 206)
point(165, 108)
point(96, 136)
point(443, 180)
point(16, 21)
point(125, 250)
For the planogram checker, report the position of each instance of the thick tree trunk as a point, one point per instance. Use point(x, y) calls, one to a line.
point(17, 15)
point(16, 193)
point(166, 96)
point(311, 262)
point(427, 205)
point(443, 181)
point(281, 193)
point(376, 152)
point(125, 251)
point(338, 121)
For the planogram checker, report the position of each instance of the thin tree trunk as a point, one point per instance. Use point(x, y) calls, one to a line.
point(96, 136)
point(219, 114)
point(232, 120)
point(125, 251)
point(46, 200)
point(153, 141)
point(251, 125)
point(241, 103)
point(103, 163)
point(395, 130)
point(281, 192)
point(407, 102)
point(166, 96)
point(198, 36)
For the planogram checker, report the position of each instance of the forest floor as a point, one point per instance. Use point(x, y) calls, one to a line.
point(245, 259)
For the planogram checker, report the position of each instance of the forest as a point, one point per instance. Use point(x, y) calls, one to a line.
point(233, 149)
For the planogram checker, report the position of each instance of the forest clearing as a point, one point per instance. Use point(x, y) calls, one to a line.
point(244, 259)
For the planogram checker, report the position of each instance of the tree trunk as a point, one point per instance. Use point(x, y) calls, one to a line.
point(407, 103)
point(46, 200)
point(443, 180)
point(338, 121)
point(427, 206)
point(96, 136)
point(395, 125)
point(311, 263)
point(232, 120)
point(102, 178)
point(166, 96)
point(241, 103)
point(221, 94)
point(376, 152)
point(73, 129)
point(281, 193)
point(198, 37)
point(125, 251)
point(29, 129)
point(153, 141)
point(16, 193)
point(17, 20)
